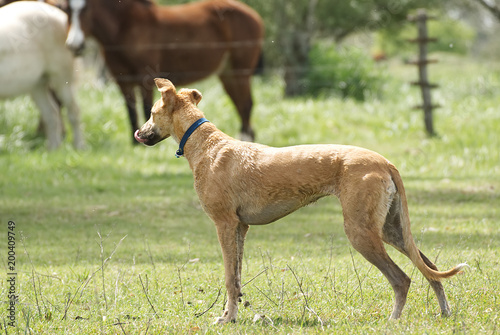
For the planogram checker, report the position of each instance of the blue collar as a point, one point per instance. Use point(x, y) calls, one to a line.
point(180, 152)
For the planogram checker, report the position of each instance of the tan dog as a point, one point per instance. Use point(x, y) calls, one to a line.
point(241, 184)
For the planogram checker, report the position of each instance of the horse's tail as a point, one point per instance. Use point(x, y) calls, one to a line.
point(428, 269)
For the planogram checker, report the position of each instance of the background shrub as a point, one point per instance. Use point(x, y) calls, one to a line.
point(346, 71)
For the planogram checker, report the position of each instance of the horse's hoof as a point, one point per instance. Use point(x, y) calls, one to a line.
point(245, 137)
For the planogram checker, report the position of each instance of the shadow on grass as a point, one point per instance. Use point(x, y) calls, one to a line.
point(305, 321)
point(447, 191)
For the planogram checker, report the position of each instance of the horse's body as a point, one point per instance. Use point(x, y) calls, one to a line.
point(183, 43)
point(52, 2)
point(35, 60)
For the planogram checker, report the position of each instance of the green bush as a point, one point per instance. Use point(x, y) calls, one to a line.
point(347, 71)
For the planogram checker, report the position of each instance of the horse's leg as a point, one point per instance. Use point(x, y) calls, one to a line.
point(128, 93)
point(40, 130)
point(51, 116)
point(237, 86)
point(66, 96)
point(147, 100)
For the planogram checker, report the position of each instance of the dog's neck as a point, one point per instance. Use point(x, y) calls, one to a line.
point(180, 152)
point(203, 139)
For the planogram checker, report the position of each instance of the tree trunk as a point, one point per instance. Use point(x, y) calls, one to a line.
point(296, 63)
point(296, 34)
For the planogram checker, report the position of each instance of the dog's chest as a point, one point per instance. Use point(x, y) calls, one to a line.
point(253, 214)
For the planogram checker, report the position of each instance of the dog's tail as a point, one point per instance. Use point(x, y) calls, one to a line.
point(428, 269)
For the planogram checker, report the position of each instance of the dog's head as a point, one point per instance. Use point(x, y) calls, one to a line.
point(163, 123)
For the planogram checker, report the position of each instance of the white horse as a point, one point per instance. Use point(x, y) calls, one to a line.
point(34, 59)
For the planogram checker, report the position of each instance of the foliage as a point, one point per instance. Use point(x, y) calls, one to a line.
point(338, 19)
point(347, 71)
point(73, 210)
point(453, 36)
point(292, 27)
point(329, 19)
point(492, 6)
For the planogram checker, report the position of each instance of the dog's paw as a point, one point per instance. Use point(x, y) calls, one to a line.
point(220, 321)
point(223, 320)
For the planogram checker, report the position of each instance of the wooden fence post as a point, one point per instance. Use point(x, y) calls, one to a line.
point(422, 40)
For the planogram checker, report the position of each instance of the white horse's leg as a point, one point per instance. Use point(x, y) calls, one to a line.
point(66, 95)
point(61, 80)
point(50, 115)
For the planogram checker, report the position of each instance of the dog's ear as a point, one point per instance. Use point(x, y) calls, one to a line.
point(195, 96)
point(164, 84)
point(166, 88)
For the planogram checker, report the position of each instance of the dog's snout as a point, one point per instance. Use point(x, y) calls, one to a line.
point(146, 136)
point(139, 137)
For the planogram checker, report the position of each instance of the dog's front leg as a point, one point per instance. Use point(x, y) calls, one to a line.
point(231, 238)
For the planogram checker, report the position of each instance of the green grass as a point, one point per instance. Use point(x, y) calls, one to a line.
point(73, 210)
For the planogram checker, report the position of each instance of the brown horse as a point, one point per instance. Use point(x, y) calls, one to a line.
point(184, 43)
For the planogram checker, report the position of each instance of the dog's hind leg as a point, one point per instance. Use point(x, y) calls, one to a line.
point(438, 288)
point(231, 237)
point(241, 234)
point(393, 235)
point(369, 244)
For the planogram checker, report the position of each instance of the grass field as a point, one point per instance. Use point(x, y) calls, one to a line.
point(113, 240)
